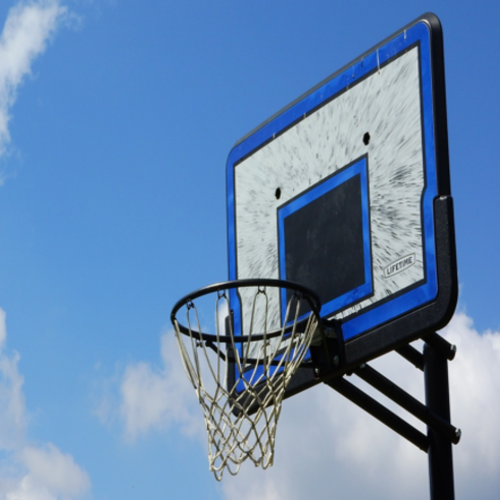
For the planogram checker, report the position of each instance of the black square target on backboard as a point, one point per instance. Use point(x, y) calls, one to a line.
point(324, 239)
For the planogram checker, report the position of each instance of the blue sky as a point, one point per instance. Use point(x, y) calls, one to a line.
point(116, 119)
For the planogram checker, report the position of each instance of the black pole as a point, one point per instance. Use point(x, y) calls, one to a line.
point(438, 401)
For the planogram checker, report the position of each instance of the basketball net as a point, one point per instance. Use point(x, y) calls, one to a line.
point(240, 381)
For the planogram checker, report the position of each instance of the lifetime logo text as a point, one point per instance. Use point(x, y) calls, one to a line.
point(399, 265)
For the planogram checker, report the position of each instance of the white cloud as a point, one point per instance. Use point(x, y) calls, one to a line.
point(51, 475)
point(327, 447)
point(12, 420)
point(29, 472)
point(25, 34)
point(475, 405)
point(157, 398)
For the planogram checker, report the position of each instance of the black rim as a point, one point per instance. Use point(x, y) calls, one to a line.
point(302, 291)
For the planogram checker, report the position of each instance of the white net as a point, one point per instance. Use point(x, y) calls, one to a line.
point(240, 381)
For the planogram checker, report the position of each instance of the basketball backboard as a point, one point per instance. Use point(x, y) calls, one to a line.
point(346, 191)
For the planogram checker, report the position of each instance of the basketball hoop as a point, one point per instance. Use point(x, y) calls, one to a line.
point(240, 372)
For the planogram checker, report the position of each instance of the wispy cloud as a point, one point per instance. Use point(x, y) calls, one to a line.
point(326, 446)
point(25, 34)
point(12, 409)
point(29, 472)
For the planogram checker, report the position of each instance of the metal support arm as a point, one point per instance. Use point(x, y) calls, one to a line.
point(408, 402)
point(379, 411)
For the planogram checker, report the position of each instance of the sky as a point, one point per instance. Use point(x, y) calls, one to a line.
point(116, 119)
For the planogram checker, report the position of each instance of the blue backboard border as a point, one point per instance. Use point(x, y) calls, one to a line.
point(437, 313)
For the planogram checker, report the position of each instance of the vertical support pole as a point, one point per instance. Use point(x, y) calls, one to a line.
point(437, 397)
